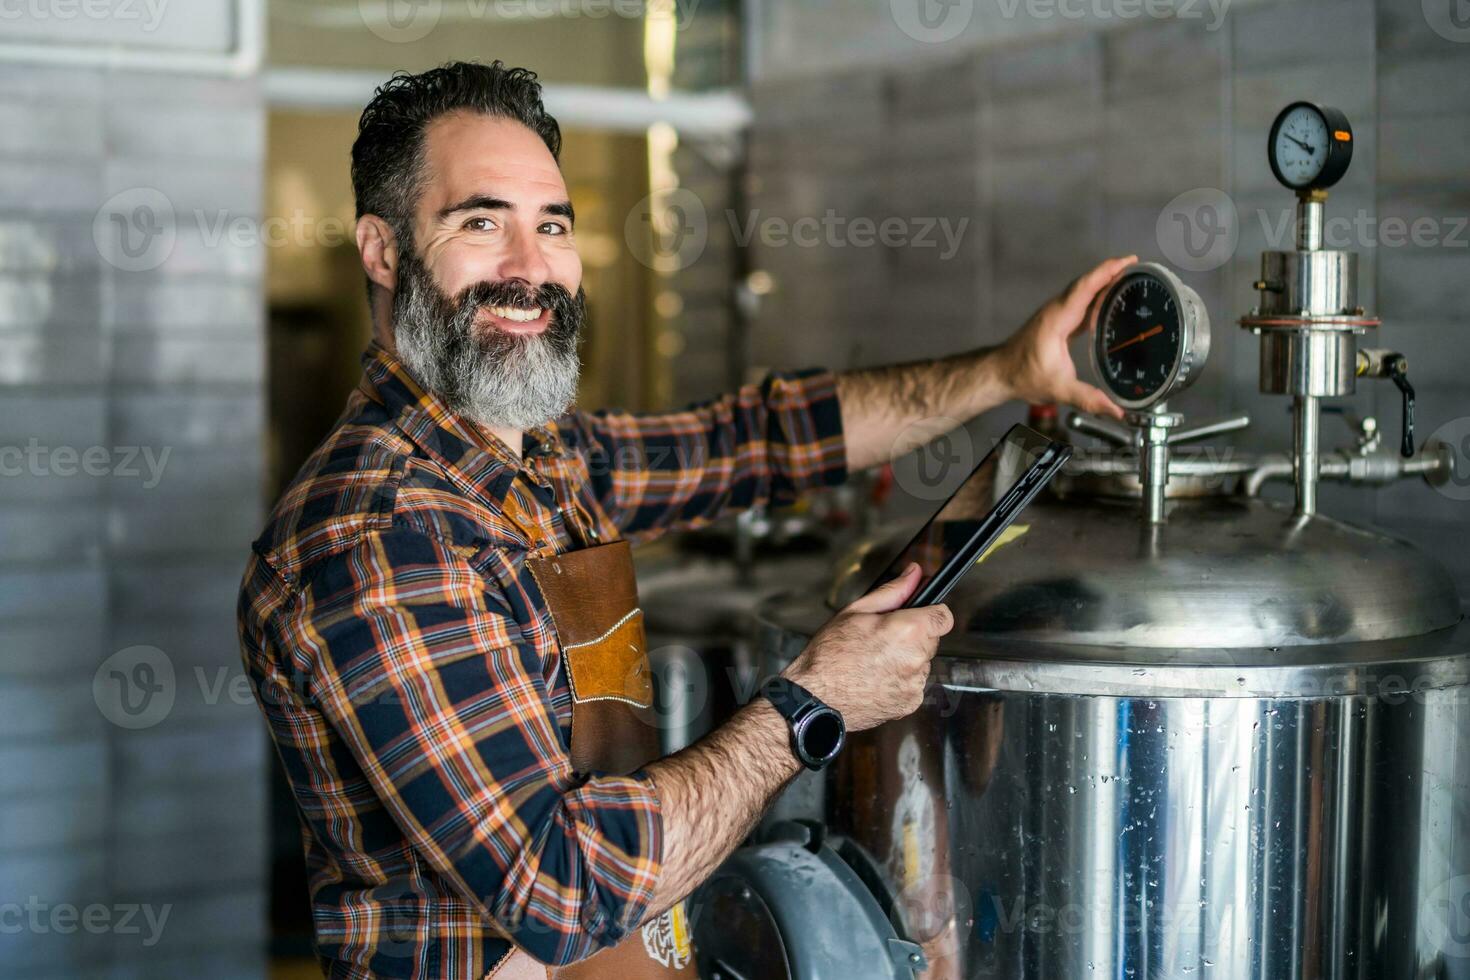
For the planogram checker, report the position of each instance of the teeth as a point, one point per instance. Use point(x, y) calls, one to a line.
point(515, 314)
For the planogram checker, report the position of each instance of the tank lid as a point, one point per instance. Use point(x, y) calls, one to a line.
point(1221, 574)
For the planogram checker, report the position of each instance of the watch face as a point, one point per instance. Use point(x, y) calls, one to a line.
point(822, 735)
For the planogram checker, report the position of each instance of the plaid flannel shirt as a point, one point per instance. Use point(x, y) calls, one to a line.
point(411, 675)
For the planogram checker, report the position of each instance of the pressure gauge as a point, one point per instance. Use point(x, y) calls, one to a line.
point(1310, 146)
point(1151, 336)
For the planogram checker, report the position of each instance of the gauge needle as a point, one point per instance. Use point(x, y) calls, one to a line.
point(1305, 146)
point(1152, 331)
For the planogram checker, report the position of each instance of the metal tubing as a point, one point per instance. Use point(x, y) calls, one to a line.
point(1307, 436)
point(1308, 224)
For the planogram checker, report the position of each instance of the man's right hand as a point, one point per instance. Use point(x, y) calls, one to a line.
point(871, 661)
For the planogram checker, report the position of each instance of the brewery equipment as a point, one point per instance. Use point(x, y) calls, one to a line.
point(1179, 731)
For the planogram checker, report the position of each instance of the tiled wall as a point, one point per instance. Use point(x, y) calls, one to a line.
point(1062, 149)
point(128, 355)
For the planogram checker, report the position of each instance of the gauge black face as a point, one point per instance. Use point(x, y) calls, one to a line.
point(1138, 337)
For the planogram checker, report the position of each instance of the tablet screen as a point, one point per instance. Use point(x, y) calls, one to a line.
point(958, 519)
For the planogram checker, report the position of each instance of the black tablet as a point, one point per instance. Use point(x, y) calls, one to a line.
point(976, 514)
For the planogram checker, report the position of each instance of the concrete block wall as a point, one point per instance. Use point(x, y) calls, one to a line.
point(132, 762)
point(1065, 146)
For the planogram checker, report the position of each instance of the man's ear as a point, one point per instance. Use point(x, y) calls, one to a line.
point(378, 247)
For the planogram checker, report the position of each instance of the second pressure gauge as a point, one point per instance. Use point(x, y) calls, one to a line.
point(1310, 146)
point(1151, 336)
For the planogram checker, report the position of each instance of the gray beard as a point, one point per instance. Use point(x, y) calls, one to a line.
point(496, 379)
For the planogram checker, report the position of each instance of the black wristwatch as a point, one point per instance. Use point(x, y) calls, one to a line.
point(817, 729)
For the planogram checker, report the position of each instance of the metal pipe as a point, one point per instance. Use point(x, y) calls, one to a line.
point(1102, 428)
point(1349, 467)
point(1230, 423)
point(1306, 437)
point(1308, 224)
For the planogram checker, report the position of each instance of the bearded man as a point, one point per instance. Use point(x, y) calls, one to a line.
point(440, 620)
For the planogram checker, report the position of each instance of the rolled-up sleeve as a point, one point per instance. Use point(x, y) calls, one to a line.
point(764, 443)
point(420, 668)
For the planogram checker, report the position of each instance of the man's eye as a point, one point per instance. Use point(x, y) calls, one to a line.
point(479, 224)
point(554, 228)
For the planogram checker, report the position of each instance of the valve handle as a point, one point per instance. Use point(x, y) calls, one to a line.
point(1397, 368)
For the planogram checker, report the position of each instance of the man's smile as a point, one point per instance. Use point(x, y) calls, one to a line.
point(514, 319)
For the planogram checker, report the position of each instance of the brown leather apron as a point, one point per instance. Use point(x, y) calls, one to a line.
point(592, 596)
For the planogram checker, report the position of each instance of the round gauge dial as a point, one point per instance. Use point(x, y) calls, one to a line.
point(1310, 146)
point(1150, 336)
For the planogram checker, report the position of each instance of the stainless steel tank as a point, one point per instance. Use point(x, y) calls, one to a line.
point(1234, 745)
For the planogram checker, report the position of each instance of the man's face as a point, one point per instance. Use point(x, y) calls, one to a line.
point(488, 308)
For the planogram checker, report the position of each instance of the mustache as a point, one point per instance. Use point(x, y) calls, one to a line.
point(516, 294)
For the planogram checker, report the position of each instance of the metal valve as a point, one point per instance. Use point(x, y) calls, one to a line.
point(1378, 363)
point(1151, 435)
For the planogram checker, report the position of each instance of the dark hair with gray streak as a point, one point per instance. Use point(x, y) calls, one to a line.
point(388, 154)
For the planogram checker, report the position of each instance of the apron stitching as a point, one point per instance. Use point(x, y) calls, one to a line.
point(611, 630)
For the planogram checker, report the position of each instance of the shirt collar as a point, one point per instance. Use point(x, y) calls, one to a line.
point(472, 451)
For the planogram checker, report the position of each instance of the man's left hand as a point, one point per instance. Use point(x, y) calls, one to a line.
point(1036, 362)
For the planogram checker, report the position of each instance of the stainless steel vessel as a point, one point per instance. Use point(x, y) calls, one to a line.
point(1235, 745)
point(1178, 731)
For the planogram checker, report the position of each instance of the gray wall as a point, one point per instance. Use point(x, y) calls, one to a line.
point(104, 551)
point(1068, 144)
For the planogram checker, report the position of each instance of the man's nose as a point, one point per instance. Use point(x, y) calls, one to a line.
point(523, 260)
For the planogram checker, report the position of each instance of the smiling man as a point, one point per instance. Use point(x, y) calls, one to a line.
point(440, 617)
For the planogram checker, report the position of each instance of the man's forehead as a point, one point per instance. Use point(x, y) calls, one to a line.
point(470, 153)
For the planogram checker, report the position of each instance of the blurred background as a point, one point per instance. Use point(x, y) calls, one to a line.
point(758, 184)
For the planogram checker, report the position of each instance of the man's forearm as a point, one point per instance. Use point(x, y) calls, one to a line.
point(712, 793)
point(880, 405)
